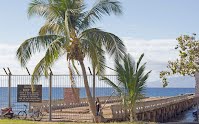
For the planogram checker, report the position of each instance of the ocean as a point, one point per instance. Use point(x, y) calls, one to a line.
point(58, 93)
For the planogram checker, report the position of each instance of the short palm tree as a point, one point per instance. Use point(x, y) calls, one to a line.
point(132, 80)
point(67, 31)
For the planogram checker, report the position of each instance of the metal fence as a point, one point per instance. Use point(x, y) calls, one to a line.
point(54, 94)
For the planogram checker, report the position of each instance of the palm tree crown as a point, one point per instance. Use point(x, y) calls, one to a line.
point(68, 31)
point(132, 79)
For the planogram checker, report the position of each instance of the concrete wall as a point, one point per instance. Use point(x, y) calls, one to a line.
point(160, 110)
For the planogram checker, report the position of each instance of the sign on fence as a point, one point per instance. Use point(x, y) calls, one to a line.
point(25, 94)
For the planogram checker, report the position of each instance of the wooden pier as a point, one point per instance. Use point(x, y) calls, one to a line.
point(158, 110)
point(153, 109)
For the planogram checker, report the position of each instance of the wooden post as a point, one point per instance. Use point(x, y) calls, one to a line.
point(148, 116)
point(154, 116)
point(142, 116)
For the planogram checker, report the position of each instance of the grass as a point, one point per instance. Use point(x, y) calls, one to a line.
point(32, 122)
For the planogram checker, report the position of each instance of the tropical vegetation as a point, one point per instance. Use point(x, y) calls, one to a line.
point(132, 79)
point(187, 62)
point(68, 31)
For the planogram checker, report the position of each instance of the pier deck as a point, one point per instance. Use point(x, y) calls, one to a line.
point(156, 109)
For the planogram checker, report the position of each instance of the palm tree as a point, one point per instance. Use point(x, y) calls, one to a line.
point(68, 32)
point(132, 80)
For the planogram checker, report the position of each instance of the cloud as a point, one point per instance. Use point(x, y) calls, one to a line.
point(157, 53)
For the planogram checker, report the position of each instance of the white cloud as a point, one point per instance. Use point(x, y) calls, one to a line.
point(157, 53)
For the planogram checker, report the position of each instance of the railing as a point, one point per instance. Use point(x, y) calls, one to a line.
point(149, 105)
point(159, 103)
point(83, 102)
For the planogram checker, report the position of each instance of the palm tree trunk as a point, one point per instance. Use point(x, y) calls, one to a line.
point(125, 107)
point(88, 93)
point(93, 84)
point(133, 116)
point(131, 112)
point(134, 113)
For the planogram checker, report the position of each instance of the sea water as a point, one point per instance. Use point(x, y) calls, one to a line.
point(58, 93)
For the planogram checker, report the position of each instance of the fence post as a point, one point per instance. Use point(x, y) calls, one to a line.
point(50, 96)
point(9, 89)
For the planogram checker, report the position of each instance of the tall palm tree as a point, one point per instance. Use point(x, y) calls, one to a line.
point(132, 80)
point(68, 32)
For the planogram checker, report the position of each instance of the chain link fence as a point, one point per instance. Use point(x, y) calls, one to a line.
point(67, 104)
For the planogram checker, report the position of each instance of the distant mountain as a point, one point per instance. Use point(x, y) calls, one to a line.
point(177, 82)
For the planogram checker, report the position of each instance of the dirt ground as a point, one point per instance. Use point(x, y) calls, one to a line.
point(82, 114)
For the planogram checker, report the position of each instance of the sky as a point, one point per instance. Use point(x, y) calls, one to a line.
point(146, 26)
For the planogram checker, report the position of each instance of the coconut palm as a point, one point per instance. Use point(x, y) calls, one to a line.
point(132, 80)
point(68, 31)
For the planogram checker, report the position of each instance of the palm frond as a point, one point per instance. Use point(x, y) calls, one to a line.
point(39, 7)
point(121, 74)
point(95, 53)
point(140, 71)
point(132, 81)
point(100, 62)
point(113, 44)
point(97, 57)
point(141, 84)
point(52, 28)
point(39, 69)
point(53, 53)
point(129, 67)
point(138, 63)
point(112, 84)
point(51, 10)
point(100, 8)
point(33, 45)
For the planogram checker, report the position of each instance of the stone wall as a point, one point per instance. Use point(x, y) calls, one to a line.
point(160, 110)
point(71, 95)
